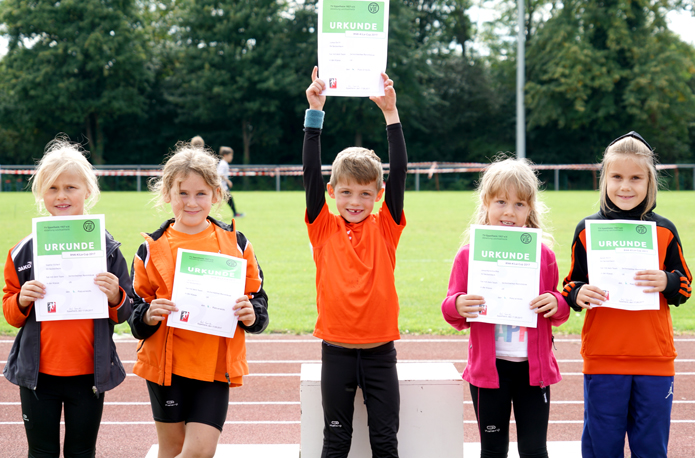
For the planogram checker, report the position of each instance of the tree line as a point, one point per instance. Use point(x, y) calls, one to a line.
point(130, 78)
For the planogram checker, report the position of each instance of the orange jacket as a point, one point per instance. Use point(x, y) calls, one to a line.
point(153, 278)
point(631, 342)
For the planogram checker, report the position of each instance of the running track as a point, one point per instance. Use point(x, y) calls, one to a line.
point(266, 409)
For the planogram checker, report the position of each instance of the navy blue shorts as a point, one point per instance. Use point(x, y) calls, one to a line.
point(190, 401)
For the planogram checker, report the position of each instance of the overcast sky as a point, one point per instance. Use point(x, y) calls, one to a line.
point(681, 23)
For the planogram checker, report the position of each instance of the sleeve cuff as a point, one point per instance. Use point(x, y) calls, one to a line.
point(314, 118)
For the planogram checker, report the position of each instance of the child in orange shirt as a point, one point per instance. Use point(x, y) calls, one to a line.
point(68, 363)
point(355, 255)
point(189, 373)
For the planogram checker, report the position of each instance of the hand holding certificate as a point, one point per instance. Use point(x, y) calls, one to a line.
point(206, 289)
point(617, 250)
point(504, 269)
point(69, 252)
point(352, 46)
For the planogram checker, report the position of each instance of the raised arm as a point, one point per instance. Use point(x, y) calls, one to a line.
point(311, 154)
point(398, 155)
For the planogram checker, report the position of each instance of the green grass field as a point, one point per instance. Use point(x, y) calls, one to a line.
point(274, 223)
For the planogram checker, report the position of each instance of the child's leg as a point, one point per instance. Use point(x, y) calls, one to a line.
point(380, 387)
point(231, 204)
point(493, 409)
point(649, 418)
point(606, 400)
point(170, 438)
point(82, 416)
point(41, 410)
point(189, 416)
point(531, 412)
point(201, 441)
point(338, 385)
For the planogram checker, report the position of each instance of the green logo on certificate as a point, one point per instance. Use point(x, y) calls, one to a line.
point(59, 236)
point(619, 235)
point(492, 245)
point(205, 265)
point(345, 16)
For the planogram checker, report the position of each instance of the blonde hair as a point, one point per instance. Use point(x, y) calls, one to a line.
point(504, 174)
point(357, 164)
point(198, 141)
point(630, 147)
point(61, 155)
point(186, 159)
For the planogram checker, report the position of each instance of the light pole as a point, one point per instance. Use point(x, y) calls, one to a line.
point(520, 81)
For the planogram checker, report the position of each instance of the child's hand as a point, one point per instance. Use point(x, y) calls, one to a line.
point(108, 284)
point(468, 305)
point(590, 295)
point(244, 311)
point(655, 278)
point(313, 92)
point(387, 102)
point(545, 303)
point(158, 311)
point(30, 292)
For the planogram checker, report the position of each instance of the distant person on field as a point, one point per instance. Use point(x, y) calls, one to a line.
point(509, 366)
point(198, 142)
point(355, 255)
point(63, 366)
point(227, 155)
point(628, 354)
point(189, 373)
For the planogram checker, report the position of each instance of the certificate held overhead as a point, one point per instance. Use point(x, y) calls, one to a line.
point(352, 46)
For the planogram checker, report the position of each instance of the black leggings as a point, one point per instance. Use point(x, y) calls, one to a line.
point(531, 411)
point(230, 201)
point(374, 370)
point(41, 409)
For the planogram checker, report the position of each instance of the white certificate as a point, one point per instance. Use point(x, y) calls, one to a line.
point(69, 251)
point(616, 251)
point(504, 268)
point(206, 287)
point(352, 46)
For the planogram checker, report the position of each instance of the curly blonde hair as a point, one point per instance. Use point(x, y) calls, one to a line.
point(186, 159)
point(61, 156)
point(506, 173)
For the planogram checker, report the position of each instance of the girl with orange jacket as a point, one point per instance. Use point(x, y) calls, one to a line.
point(189, 373)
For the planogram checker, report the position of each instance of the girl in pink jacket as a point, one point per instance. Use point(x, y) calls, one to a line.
point(509, 365)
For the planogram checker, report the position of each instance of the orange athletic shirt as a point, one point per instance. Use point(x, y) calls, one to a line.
point(67, 347)
point(355, 284)
point(187, 360)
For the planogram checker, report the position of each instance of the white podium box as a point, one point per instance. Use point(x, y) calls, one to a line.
point(431, 418)
point(247, 451)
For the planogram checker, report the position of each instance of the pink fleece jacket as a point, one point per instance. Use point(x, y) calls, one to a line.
point(481, 370)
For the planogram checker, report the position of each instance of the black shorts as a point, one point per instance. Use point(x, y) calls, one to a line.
point(190, 400)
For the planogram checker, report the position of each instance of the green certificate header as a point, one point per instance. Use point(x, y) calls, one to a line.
point(612, 236)
point(340, 16)
point(210, 266)
point(57, 237)
point(493, 245)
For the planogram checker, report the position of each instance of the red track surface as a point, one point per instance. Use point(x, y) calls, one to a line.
point(128, 430)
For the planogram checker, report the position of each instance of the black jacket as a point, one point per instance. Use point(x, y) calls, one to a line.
point(22, 366)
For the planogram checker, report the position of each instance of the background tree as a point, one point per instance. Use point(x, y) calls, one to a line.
point(73, 66)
